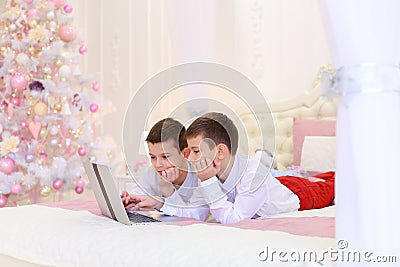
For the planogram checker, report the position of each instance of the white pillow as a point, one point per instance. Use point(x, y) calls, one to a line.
point(319, 153)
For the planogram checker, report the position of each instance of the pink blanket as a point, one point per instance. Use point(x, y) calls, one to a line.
point(305, 226)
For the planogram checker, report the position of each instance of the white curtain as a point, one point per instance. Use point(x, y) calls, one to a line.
point(191, 26)
point(364, 37)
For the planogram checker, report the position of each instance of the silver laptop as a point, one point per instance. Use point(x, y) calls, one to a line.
point(109, 200)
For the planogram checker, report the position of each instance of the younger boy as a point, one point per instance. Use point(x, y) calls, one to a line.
point(167, 183)
point(238, 187)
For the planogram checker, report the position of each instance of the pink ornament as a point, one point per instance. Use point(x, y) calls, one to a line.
point(67, 33)
point(18, 82)
point(82, 49)
point(80, 183)
point(34, 128)
point(29, 158)
point(96, 87)
point(58, 3)
point(32, 13)
point(94, 108)
point(10, 110)
point(79, 190)
point(68, 8)
point(28, 1)
point(16, 188)
point(57, 184)
point(23, 124)
point(82, 151)
point(15, 101)
point(3, 200)
point(26, 29)
point(7, 165)
point(43, 154)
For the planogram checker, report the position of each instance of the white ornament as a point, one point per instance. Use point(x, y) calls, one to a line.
point(12, 27)
point(50, 15)
point(53, 130)
point(54, 142)
point(52, 25)
point(6, 134)
point(22, 59)
point(64, 71)
point(47, 69)
point(35, 94)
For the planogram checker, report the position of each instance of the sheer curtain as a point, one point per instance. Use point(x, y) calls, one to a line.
point(191, 26)
point(364, 37)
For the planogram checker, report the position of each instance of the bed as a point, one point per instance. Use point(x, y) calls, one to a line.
point(73, 233)
point(61, 236)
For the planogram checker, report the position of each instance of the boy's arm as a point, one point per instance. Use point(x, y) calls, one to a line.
point(174, 204)
point(165, 181)
point(166, 187)
point(199, 213)
point(193, 208)
point(247, 202)
point(146, 184)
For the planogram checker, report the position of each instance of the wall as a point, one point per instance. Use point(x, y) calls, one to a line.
point(279, 44)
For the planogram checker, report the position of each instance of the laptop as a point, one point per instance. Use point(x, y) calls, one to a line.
point(109, 200)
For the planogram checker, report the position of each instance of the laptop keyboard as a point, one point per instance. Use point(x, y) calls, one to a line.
point(139, 218)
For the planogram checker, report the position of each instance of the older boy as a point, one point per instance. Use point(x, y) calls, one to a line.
point(167, 183)
point(238, 187)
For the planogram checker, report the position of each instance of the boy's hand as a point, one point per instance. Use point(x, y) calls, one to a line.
point(140, 202)
point(127, 199)
point(170, 174)
point(205, 169)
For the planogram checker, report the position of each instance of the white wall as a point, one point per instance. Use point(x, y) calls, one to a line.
point(279, 44)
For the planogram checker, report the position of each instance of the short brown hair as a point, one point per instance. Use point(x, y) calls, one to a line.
point(167, 129)
point(217, 127)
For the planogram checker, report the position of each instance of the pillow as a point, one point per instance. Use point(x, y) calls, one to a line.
point(308, 127)
point(318, 154)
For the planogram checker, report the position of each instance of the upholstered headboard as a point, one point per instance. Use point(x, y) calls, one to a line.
point(309, 105)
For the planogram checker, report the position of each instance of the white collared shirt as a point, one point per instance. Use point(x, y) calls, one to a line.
point(185, 201)
point(249, 191)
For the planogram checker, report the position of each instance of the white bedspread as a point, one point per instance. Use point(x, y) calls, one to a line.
point(59, 237)
point(329, 211)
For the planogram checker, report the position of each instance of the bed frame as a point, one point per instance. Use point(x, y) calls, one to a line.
point(309, 105)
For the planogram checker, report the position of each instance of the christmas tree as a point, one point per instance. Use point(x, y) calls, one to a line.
point(48, 108)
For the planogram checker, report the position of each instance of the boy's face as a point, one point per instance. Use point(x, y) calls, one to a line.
point(165, 155)
point(200, 148)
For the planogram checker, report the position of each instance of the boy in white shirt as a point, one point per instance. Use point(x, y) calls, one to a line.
point(237, 187)
point(169, 181)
